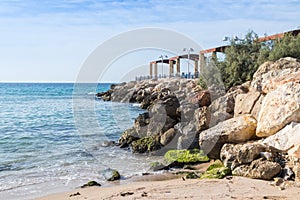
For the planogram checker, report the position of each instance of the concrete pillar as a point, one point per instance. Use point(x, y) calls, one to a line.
point(202, 63)
point(155, 70)
point(171, 68)
point(196, 71)
point(151, 70)
point(178, 67)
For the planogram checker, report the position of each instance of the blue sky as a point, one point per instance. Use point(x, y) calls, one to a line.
point(48, 41)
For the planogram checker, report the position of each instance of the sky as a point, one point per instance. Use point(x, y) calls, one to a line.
point(49, 40)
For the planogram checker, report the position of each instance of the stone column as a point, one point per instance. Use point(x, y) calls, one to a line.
point(178, 67)
point(151, 70)
point(202, 62)
point(171, 68)
point(155, 70)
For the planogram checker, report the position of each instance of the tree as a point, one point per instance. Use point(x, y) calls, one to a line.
point(241, 60)
point(244, 56)
point(288, 46)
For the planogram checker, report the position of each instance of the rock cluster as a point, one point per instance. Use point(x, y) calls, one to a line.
point(253, 128)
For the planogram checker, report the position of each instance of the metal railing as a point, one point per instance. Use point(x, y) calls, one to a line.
point(183, 76)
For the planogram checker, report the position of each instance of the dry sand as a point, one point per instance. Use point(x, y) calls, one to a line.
point(228, 188)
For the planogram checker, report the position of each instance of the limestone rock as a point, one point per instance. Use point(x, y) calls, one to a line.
point(159, 123)
point(222, 108)
point(294, 155)
point(167, 105)
point(202, 118)
point(244, 103)
point(190, 141)
point(257, 106)
point(279, 108)
point(271, 75)
point(258, 169)
point(128, 137)
point(141, 124)
point(286, 138)
point(167, 136)
point(199, 98)
point(235, 130)
point(187, 111)
point(233, 155)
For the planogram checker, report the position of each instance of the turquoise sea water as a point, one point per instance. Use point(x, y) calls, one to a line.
point(41, 148)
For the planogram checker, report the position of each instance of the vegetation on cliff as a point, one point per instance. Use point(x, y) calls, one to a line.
point(244, 56)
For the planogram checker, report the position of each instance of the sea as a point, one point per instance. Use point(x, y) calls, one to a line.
point(54, 137)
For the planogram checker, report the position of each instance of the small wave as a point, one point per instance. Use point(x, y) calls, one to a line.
point(136, 104)
point(92, 93)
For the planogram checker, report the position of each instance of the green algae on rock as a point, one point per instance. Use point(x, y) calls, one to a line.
point(90, 184)
point(145, 145)
point(115, 176)
point(216, 170)
point(185, 156)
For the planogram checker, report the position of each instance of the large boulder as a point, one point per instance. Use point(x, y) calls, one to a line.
point(149, 124)
point(128, 137)
point(123, 92)
point(258, 169)
point(235, 130)
point(168, 136)
point(199, 98)
point(286, 138)
point(257, 106)
point(222, 108)
point(271, 75)
point(245, 103)
point(167, 105)
point(141, 124)
point(202, 118)
point(233, 155)
point(160, 123)
point(279, 108)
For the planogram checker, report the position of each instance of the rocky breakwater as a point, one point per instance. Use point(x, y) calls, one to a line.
point(176, 111)
point(252, 128)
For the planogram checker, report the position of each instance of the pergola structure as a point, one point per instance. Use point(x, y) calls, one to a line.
point(221, 49)
point(201, 57)
point(173, 61)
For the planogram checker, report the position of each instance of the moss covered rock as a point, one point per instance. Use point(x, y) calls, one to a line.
point(191, 175)
point(185, 156)
point(146, 145)
point(216, 170)
point(111, 175)
point(128, 137)
point(216, 164)
point(90, 184)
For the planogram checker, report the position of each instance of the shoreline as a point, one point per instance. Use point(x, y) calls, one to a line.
point(228, 188)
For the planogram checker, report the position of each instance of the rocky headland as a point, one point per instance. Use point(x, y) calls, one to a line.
point(251, 130)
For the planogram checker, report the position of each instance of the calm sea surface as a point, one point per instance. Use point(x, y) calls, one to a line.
point(47, 147)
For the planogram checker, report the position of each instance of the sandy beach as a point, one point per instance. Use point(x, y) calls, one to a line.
point(228, 188)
